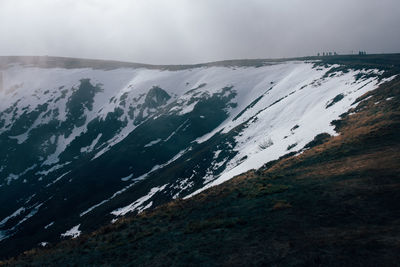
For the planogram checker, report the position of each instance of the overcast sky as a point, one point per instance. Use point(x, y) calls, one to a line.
point(194, 31)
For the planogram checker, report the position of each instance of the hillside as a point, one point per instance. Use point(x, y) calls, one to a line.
point(102, 143)
point(336, 203)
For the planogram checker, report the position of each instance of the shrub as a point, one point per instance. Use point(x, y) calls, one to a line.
point(334, 100)
point(266, 143)
point(291, 146)
point(318, 140)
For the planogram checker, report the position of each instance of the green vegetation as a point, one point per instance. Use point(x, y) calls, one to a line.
point(294, 128)
point(291, 146)
point(156, 97)
point(334, 100)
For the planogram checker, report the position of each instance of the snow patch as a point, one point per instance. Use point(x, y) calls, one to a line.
point(284, 109)
point(127, 178)
point(90, 147)
point(74, 232)
point(153, 142)
point(12, 176)
point(138, 204)
point(43, 244)
point(48, 225)
point(58, 179)
point(14, 214)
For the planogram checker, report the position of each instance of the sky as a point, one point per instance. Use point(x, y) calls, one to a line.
point(196, 31)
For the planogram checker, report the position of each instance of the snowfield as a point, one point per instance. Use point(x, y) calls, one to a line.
point(269, 111)
point(32, 87)
point(294, 121)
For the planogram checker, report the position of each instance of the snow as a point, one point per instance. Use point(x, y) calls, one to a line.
point(38, 80)
point(95, 206)
point(52, 169)
point(188, 109)
point(92, 145)
point(33, 212)
point(304, 107)
point(127, 178)
point(133, 82)
point(177, 130)
point(43, 244)
point(152, 143)
point(156, 167)
point(138, 204)
point(74, 232)
point(3, 235)
point(216, 154)
point(14, 214)
point(183, 184)
point(20, 138)
point(58, 179)
point(48, 225)
point(289, 93)
point(356, 103)
point(9, 232)
point(389, 79)
point(29, 198)
point(12, 176)
point(33, 82)
point(135, 180)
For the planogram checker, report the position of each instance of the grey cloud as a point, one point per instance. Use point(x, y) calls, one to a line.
point(191, 31)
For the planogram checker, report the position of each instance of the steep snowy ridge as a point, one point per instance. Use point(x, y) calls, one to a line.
point(302, 112)
point(99, 144)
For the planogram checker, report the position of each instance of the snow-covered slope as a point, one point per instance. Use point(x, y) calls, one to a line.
point(82, 146)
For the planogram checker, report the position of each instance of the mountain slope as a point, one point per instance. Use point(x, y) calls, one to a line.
point(337, 203)
point(82, 146)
